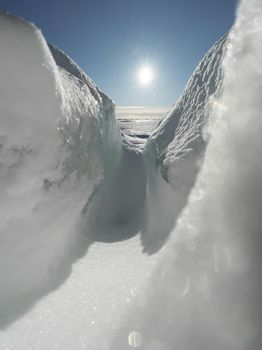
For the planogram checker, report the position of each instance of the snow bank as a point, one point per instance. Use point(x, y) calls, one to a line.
point(206, 291)
point(58, 140)
point(174, 151)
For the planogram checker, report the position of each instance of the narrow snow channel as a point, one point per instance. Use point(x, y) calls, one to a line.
point(87, 309)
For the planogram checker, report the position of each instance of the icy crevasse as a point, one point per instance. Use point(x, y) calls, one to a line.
point(58, 140)
point(59, 144)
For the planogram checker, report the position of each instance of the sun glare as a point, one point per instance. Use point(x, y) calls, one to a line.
point(145, 75)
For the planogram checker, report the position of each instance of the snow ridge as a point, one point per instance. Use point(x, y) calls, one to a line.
point(181, 130)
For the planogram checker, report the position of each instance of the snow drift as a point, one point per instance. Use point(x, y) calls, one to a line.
point(58, 141)
point(206, 290)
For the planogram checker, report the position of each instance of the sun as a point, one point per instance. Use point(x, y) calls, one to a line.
point(145, 75)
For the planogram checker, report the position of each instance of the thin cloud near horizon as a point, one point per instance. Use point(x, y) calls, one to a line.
point(141, 110)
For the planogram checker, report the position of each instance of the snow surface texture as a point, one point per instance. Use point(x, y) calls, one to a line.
point(57, 135)
point(206, 291)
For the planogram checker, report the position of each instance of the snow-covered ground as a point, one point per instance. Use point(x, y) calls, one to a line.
point(83, 208)
point(87, 309)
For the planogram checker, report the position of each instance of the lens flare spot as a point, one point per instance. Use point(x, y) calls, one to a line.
point(135, 339)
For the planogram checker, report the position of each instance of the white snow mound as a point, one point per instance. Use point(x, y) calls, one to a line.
point(58, 139)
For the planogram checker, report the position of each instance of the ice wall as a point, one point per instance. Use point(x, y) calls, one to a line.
point(206, 291)
point(58, 141)
point(173, 153)
point(99, 131)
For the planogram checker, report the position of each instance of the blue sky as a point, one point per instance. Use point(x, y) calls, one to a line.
point(110, 40)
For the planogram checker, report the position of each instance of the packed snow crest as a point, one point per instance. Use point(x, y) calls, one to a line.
point(174, 152)
point(69, 179)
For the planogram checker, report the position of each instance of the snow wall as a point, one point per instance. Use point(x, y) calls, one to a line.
point(174, 152)
point(206, 290)
point(58, 142)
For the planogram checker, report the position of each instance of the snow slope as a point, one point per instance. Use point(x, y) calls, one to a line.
point(87, 309)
